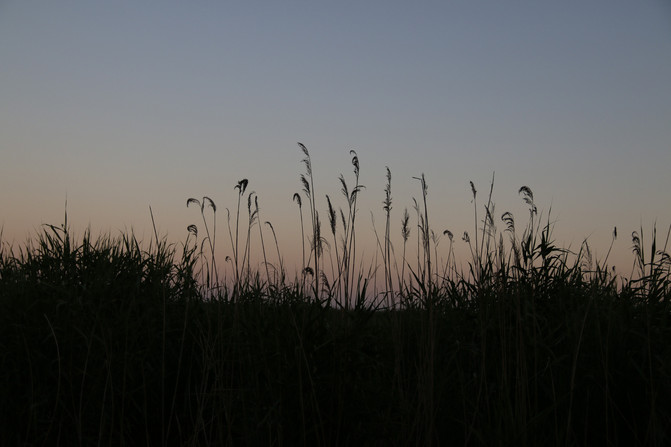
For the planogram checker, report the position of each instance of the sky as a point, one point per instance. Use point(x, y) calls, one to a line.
point(115, 107)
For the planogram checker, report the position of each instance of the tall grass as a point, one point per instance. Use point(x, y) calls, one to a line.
point(109, 341)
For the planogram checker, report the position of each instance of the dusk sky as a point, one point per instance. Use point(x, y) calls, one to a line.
point(118, 106)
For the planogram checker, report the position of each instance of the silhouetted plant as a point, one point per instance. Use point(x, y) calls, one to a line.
point(529, 344)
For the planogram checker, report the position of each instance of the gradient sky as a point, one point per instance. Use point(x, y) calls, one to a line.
point(118, 106)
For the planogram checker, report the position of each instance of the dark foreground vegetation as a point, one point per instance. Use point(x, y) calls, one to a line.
point(103, 342)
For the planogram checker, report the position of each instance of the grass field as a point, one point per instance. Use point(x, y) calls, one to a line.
point(109, 341)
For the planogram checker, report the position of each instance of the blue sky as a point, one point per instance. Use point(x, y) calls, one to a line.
point(117, 106)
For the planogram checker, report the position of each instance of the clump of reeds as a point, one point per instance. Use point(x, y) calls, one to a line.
point(104, 341)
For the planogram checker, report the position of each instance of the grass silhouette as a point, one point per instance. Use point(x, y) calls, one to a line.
point(107, 341)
